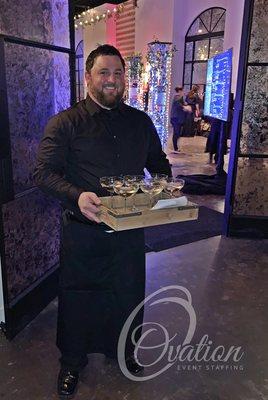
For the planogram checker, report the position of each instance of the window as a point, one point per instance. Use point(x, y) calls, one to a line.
point(79, 71)
point(203, 40)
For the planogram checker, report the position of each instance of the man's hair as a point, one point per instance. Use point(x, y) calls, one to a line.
point(178, 89)
point(104, 50)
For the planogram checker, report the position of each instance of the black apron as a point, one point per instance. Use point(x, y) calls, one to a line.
point(102, 279)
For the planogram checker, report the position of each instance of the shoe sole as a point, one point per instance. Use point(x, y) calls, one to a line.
point(67, 397)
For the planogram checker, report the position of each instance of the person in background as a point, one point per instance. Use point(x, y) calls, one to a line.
point(213, 140)
point(102, 273)
point(212, 145)
point(193, 100)
point(177, 116)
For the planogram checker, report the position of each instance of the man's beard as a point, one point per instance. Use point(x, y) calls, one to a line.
point(107, 100)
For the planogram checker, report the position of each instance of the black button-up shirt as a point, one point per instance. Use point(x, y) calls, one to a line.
point(86, 142)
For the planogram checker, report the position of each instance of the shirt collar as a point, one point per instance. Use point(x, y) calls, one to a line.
point(93, 108)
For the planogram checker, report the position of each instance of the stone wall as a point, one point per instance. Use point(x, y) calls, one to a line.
point(251, 188)
point(38, 86)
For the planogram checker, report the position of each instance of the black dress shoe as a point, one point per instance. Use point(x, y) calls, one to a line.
point(133, 366)
point(67, 384)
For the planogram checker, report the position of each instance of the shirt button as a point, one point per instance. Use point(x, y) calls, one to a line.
point(114, 137)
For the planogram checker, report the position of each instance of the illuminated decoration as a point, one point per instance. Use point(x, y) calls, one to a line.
point(91, 17)
point(159, 58)
point(145, 86)
point(134, 70)
point(202, 52)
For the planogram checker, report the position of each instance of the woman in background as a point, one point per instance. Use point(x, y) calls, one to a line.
point(177, 116)
point(193, 100)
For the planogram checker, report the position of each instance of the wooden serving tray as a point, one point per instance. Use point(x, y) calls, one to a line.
point(119, 220)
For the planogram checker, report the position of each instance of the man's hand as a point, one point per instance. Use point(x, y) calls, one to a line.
point(89, 203)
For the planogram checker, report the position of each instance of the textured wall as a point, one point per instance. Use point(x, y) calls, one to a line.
point(31, 228)
point(254, 137)
point(251, 189)
point(43, 21)
point(38, 86)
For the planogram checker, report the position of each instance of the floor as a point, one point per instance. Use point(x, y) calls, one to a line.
point(227, 282)
point(193, 160)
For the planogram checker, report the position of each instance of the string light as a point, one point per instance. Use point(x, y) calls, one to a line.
point(159, 57)
point(80, 20)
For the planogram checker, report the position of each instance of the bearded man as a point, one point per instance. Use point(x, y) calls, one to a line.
point(102, 273)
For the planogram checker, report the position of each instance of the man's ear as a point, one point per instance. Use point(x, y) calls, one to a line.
point(87, 77)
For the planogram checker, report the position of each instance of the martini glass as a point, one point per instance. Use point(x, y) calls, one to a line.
point(108, 182)
point(161, 178)
point(174, 185)
point(137, 179)
point(152, 188)
point(127, 189)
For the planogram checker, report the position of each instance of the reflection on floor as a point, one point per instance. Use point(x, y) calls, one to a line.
point(227, 281)
point(193, 160)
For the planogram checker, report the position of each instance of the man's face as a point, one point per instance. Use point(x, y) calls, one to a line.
point(106, 80)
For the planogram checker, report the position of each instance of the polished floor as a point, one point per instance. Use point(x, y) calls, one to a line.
point(227, 281)
point(193, 160)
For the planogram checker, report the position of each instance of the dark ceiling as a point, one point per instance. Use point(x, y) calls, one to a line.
point(81, 5)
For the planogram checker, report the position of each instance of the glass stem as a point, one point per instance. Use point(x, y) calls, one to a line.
point(133, 204)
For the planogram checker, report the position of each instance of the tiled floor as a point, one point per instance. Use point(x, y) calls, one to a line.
point(227, 280)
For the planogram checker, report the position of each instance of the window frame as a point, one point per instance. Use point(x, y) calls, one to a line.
point(210, 34)
point(79, 60)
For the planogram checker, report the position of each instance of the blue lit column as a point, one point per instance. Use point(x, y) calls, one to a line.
point(159, 57)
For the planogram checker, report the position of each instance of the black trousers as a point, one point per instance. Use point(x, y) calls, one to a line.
point(177, 128)
point(102, 279)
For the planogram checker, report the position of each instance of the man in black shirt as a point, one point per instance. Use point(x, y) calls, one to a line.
point(102, 274)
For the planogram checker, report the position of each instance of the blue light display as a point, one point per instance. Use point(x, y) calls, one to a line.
point(218, 85)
